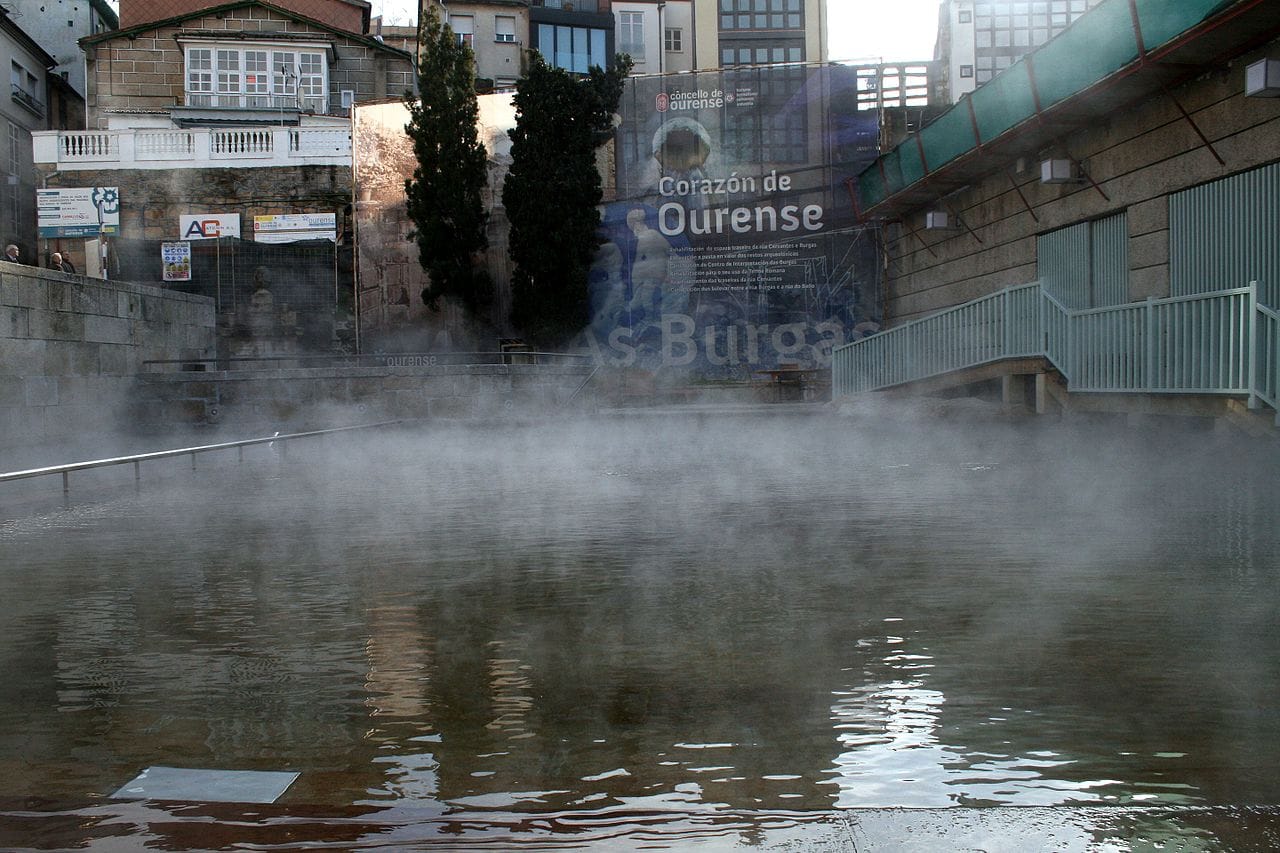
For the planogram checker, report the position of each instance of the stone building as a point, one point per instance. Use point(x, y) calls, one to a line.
point(225, 113)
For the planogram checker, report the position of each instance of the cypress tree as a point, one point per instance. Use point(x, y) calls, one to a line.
point(444, 194)
point(552, 193)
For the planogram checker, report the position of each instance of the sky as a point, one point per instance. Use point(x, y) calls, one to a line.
point(889, 30)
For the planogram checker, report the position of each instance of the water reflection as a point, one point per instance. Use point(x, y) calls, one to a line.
point(573, 630)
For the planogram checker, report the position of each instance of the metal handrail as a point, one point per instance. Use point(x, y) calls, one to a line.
point(138, 458)
point(418, 359)
point(1219, 342)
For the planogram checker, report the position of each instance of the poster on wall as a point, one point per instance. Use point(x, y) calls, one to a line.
point(733, 245)
point(176, 260)
point(78, 211)
point(292, 227)
point(208, 226)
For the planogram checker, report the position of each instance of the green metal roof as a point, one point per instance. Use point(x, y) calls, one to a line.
point(1116, 52)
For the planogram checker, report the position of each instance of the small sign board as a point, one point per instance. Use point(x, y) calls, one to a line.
point(291, 227)
point(208, 226)
point(176, 258)
point(78, 211)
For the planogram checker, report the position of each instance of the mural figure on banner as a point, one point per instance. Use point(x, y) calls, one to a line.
point(732, 247)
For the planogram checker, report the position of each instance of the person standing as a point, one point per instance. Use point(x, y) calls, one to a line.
point(57, 262)
point(11, 254)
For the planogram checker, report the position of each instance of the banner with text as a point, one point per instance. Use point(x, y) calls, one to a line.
point(733, 246)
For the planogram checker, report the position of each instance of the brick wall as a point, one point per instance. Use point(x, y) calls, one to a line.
point(71, 347)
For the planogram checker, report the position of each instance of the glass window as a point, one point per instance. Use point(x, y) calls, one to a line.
point(284, 76)
point(228, 72)
point(982, 38)
point(257, 78)
point(1039, 36)
point(564, 48)
point(1021, 38)
point(966, 70)
point(673, 40)
point(581, 51)
point(311, 80)
point(504, 29)
point(965, 17)
point(598, 57)
point(199, 74)
point(464, 28)
point(631, 33)
point(1002, 38)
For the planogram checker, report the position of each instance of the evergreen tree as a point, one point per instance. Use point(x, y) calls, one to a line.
point(552, 193)
point(443, 196)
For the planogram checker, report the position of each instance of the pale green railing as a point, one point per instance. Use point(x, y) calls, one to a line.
point(1223, 342)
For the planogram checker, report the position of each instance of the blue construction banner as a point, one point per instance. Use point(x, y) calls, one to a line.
point(733, 246)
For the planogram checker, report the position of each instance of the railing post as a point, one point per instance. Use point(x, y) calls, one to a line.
point(1251, 345)
point(1149, 367)
point(1006, 346)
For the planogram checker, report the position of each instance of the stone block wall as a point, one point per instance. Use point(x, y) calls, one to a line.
point(145, 70)
point(151, 202)
point(71, 347)
point(1136, 156)
point(288, 400)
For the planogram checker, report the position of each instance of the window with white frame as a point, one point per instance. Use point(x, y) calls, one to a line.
point(256, 77)
point(464, 28)
point(15, 149)
point(631, 34)
point(673, 40)
point(504, 29)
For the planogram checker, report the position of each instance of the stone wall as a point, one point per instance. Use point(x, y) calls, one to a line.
point(145, 70)
point(1136, 157)
point(70, 348)
point(313, 398)
point(153, 201)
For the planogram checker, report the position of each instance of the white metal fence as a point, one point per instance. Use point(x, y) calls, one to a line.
point(1223, 342)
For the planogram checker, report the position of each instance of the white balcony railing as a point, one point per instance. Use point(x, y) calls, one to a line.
point(193, 148)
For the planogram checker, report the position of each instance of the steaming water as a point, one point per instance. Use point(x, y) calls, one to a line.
point(653, 629)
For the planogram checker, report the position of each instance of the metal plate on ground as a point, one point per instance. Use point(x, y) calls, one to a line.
point(206, 786)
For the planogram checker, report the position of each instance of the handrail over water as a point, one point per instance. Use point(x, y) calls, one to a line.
point(389, 359)
point(138, 458)
point(1220, 342)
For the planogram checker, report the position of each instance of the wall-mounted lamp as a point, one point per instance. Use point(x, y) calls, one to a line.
point(1058, 172)
point(937, 220)
point(1262, 79)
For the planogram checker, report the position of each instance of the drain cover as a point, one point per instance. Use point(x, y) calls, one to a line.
point(206, 786)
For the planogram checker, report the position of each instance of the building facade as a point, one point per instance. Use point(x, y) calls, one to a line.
point(756, 32)
point(58, 26)
point(25, 110)
point(977, 40)
point(222, 123)
point(1131, 161)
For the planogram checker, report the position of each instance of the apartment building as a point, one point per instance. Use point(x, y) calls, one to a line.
point(977, 39)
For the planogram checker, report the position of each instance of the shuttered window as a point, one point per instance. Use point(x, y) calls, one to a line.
point(1222, 235)
point(1086, 265)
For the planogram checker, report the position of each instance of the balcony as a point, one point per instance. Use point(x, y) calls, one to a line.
point(28, 100)
point(289, 103)
point(193, 148)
